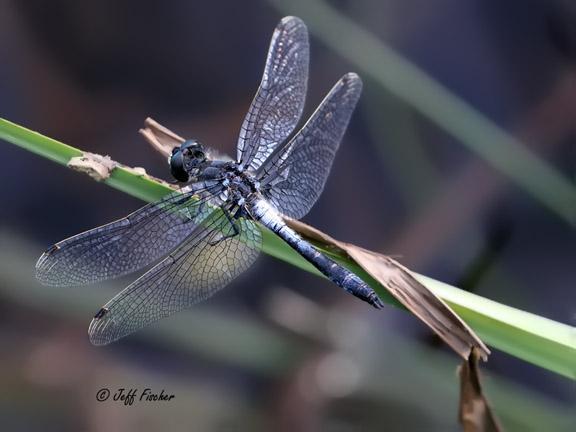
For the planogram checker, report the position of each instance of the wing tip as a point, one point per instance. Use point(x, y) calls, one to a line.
point(291, 19)
point(292, 24)
point(96, 332)
point(96, 341)
point(43, 273)
point(46, 274)
point(352, 78)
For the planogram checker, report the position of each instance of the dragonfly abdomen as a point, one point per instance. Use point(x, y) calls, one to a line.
point(265, 214)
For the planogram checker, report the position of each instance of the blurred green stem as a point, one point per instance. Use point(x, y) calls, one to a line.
point(404, 148)
point(409, 83)
point(541, 341)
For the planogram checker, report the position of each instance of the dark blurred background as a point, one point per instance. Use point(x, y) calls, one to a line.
point(280, 349)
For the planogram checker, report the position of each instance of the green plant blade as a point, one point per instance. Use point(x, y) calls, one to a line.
point(543, 342)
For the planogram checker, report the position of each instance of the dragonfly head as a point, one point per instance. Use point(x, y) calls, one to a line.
point(186, 159)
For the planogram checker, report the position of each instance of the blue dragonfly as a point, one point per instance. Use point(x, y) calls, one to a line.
point(206, 234)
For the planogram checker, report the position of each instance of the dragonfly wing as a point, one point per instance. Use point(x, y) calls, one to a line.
point(125, 245)
point(279, 101)
point(208, 260)
point(294, 176)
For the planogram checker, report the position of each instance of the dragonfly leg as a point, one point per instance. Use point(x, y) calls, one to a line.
point(240, 213)
point(235, 229)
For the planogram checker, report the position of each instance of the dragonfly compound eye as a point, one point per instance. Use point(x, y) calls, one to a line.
point(178, 167)
point(198, 154)
point(189, 144)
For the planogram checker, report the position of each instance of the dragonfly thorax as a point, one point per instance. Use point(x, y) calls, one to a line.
point(239, 184)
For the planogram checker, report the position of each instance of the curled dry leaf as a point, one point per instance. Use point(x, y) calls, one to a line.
point(159, 137)
point(475, 413)
point(404, 287)
point(96, 166)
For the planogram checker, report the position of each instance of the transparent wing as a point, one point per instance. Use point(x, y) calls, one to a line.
point(125, 245)
point(279, 101)
point(293, 176)
point(207, 261)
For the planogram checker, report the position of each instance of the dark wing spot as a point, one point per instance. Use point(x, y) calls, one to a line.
point(101, 313)
point(52, 249)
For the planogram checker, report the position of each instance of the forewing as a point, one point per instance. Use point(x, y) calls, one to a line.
point(125, 245)
point(294, 176)
point(207, 261)
point(279, 101)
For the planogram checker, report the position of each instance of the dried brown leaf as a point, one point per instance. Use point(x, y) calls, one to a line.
point(404, 287)
point(475, 413)
point(96, 166)
point(160, 138)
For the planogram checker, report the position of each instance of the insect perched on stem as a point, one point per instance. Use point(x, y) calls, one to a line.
point(207, 232)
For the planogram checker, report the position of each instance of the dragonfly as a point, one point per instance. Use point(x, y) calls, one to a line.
point(206, 234)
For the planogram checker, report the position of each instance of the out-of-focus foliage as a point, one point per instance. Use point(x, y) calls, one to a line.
point(280, 349)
